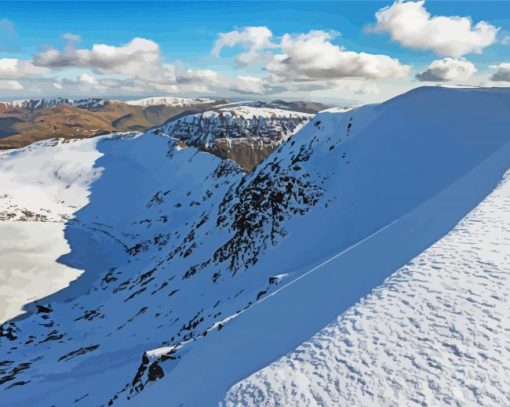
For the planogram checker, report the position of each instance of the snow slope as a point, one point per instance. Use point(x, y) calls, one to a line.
point(434, 333)
point(48, 180)
point(28, 264)
point(34, 104)
point(191, 274)
point(42, 186)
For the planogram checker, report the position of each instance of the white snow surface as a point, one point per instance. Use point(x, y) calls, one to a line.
point(436, 332)
point(43, 185)
point(28, 264)
point(173, 101)
point(48, 180)
point(44, 103)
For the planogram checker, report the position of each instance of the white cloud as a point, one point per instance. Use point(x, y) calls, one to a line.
point(312, 56)
point(198, 76)
point(89, 82)
point(502, 74)
point(249, 84)
point(10, 85)
point(139, 57)
point(506, 40)
point(254, 40)
point(86, 83)
point(16, 68)
point(410, 24)
point(447, 69)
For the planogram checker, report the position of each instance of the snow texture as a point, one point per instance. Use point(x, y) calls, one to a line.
point(35, 104)
point(437, 332)
point(173, 101)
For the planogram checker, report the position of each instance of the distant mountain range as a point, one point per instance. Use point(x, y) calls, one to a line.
point(23, 122)
point(171, 101)
point(266, 124)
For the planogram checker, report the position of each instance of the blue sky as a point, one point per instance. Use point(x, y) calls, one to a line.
point(186, 32)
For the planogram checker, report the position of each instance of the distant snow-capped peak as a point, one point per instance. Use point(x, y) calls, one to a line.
point(237, 121)
point(173, 101)
point(44, 103)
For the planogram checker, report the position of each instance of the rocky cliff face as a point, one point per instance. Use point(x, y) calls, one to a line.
point(245, 134)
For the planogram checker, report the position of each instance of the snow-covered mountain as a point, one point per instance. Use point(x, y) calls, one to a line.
point(45, 103)
point(235, 123)
point(96, 103)
point(432, 334)
point(245, 132)
point(23, 122)
point(197, 275)
point(297, 106)
point(173, 101)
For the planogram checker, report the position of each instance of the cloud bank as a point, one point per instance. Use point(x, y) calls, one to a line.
point(447, 69)
point(502, 73)
point(312, 56)
point(253, 40)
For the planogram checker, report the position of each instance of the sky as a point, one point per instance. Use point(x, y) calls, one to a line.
point(332, 51)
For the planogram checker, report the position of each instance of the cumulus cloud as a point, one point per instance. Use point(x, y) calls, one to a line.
point(187, 81)
point(447, 69)
point(410, 24)
point(140, 57)
point(206, 76)
point(85, 82)
point(502, 73)
point(10, 85)
point(312, 56)
point(90, 82)
point(254, 40)
point(135, 67)
point(16, 68)
point(249, 85)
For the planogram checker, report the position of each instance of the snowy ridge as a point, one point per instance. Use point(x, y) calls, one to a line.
point(34, 104)
point(186, 256)
point(235, 122)
point(297, 106)
point(434, 333)
point(173, 101)
point(243, 133)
